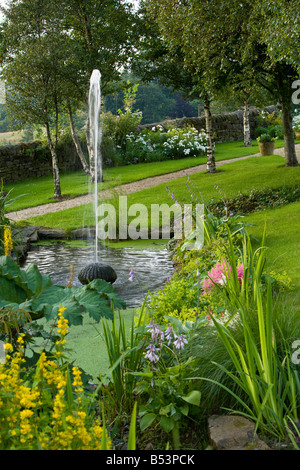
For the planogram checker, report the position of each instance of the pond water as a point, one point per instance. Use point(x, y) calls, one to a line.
point(151, 267)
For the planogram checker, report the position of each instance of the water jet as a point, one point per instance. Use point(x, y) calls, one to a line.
point(96, 270)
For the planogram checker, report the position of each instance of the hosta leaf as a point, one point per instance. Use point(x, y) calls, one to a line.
point(193, 398)
point(167, 423)
point(147, 420)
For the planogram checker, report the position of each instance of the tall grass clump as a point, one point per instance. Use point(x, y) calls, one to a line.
point(244, 357)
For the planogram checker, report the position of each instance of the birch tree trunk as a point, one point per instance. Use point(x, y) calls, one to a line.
point(246, 122)
point(55, 169)
point(77, 142)
point(211, 163)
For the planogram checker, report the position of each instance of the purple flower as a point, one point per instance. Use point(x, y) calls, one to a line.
point(156, 332)
point(169, 333)
point(151, 354)
point(131, 274)
point(180, 342)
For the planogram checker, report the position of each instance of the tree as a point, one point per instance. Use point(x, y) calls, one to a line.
point(162, 58)
point(106, 33)
point(32, 67)
point(83, 36)
point(221, 37)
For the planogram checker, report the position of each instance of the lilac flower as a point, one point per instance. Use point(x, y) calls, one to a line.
point(156, 332)
point(151, 353)
point(131, 274)
point(169, 333)
point(180, 342)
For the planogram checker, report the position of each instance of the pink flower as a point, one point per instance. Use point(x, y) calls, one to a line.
point(218, 275)
point(240, 273)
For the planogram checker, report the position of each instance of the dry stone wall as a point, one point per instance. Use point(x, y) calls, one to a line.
point(227, 126)
point(33, 160)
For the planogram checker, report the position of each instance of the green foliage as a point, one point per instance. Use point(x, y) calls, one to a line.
point(29, 290)
point(166, 394)
point(256, 200)
point(266, 138)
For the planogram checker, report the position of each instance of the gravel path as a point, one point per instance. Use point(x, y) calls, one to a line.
point(125, 188)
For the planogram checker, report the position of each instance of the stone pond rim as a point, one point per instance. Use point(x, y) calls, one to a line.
point(97, 271)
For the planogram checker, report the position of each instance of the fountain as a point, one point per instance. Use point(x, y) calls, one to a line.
point(96, 270)
point(152, 266)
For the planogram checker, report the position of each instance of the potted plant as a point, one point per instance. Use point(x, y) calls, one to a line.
point(266, 144)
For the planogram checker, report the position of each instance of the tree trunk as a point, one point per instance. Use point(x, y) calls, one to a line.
point(55, 169)
point(284, 83)
point(246, 122)
point(288, 132)
point(77, 142)
point(211, 164)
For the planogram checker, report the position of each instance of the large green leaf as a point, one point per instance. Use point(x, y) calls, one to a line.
point(35, 280)
point(11, 292)
point(167, 423)
point(92, 301)
point(29, 289)
point(147, 420)
point(106, 289)
point(193, 398)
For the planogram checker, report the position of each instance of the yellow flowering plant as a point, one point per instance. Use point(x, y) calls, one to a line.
point(47, 408)
point(8, 242)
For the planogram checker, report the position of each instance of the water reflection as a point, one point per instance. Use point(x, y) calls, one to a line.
point(151, 268)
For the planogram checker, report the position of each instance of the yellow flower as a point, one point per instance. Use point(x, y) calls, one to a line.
point(62, 324)
point(8, 243)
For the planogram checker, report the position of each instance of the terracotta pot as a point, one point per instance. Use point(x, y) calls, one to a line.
point(298, 135)
point(266, 148)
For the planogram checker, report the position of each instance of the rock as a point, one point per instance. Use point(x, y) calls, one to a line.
point(52, 233)
point(84, 233)
point(234, 432)
point(97, 271)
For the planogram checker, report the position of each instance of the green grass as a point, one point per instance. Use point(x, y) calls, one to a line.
point(257, 172)
point(37, 191)
point(282, 237)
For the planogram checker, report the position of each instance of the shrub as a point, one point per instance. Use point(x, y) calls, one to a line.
point(158, 145)
point(266, 138)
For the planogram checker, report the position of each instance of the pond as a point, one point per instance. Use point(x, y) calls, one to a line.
point(152, 266)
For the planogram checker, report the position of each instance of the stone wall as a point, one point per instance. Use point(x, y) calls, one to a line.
point(33, 160)
point(227, 126)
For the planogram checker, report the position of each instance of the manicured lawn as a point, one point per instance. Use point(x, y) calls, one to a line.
point(240, 176)
point(282, 237)
point(40, 191)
